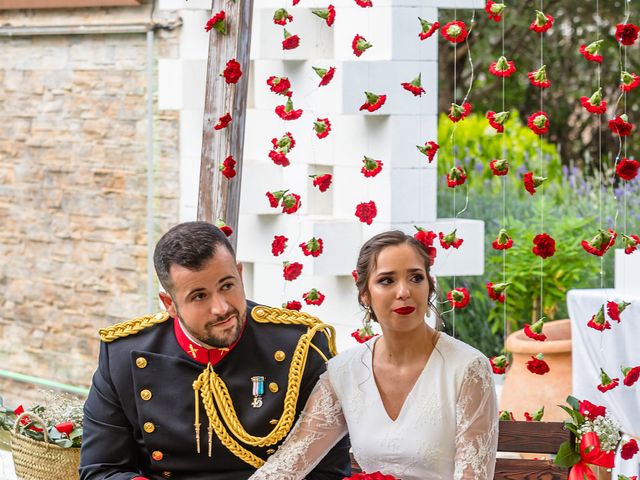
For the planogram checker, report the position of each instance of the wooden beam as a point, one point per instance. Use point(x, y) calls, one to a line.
point(218, 197)
point(532, 437)
point(26, 4)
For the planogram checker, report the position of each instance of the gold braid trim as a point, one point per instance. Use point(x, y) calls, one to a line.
point(131, 327)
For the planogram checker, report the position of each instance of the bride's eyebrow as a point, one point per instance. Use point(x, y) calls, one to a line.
point(392, 272)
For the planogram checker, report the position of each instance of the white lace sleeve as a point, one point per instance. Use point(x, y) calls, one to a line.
point(321, 425)
point(476, 423)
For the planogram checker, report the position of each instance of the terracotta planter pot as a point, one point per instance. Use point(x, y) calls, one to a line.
point(524, 391)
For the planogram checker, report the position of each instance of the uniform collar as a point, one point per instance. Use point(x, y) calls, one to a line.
point(199, 353)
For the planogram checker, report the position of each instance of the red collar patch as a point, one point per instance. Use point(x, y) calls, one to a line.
point(197, 352)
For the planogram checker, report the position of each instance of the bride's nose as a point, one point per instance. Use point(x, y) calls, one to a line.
point(402, 291)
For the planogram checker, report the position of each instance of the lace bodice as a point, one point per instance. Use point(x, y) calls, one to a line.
point(447, 427)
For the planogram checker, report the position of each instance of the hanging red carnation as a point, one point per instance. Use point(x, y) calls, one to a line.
point(456, 176)
point(290, 42)
point(217, 23)
point(499, 167)
point(232, 72)
point(359, 45)
point(607, 383)
point(626, 33)
point(602, 242)
point(426, 238)
point(223, 121)
point(620, 125)
point(538, 123)
point(544, 246)
point(323, 182)
point(427, 28)
point(224, 228)
point(366, 212)
point(291, 271)
point(497, 120)
point(494, 10)
point(537, 365)
point(364, 3)
point(371, 167)
point(278, 245)
point(328, 14)
point(502, 67)
point(499, 364)
point(363, 334)
point(313, 297)
point(631, 243)
point(592, 51)
point(313, 247)
point(535, 331)
point(228, 167)
point(430, 149)
point(281, 17)
point(627, 169)
point(503, 241)
point(538, 78)
point(458, 297)
point(280, 85)
point(598, 322)
point(292, 305)
point(594, 104)
point(415, 86)
point(287, 112)
point(454, 32)
point(322, 127)
point(531, 182)
point(284, 144)
point(275, 197)
point(542, 23)
point(628, 81)
point(290, 203)
point(629, 448)
point(374, 102)
point(631, 376)
point(459, 112)
point(497, 291)
point(279, 158)
point(326, 75)
point(450, 240)
point(615, 309)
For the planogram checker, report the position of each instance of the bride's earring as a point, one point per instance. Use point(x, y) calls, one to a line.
point(367, 317)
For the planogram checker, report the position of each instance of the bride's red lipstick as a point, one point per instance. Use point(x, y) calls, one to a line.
point(404, 310)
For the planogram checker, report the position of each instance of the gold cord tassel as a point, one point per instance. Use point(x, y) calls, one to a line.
point(210, 431)
point(196, 424)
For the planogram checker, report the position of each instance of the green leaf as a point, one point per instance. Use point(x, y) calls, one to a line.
point(77, 432)
point(567, 455)
point(574, 402)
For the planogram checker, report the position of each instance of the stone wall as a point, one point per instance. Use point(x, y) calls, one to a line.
point(73, 206)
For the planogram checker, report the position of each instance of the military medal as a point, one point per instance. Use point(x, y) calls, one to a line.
point(258, 391)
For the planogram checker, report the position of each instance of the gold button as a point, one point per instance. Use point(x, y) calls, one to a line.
point(273, 421)
point(273, 386)
point(279, 356)
point(149, 427)
point(271, 451)
point(157, 455)
point(141, 362)
point(166, 474)
point(145, 395)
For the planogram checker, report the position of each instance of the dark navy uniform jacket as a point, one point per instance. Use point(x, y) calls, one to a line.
point(139, 416)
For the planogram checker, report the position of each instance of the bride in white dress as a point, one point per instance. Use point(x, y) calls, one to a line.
point(417, 403)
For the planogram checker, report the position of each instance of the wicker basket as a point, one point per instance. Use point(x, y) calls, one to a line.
point(37, 460)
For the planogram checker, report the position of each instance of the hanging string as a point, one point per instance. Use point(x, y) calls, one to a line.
point(541, 168)
point(504, 201)
point(600, 174)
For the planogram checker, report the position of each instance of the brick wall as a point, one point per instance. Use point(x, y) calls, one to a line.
point(73, 196)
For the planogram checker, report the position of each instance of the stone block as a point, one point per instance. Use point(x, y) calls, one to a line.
point(260, 178)
point(194, 40)
point(169, 84)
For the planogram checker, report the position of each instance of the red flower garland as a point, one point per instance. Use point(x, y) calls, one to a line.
point(459, 112)
point(497, 291)
point(531, 182)
point(287, 112)
point(499, 364)
point(594, 104)
point(427, 28)
point(326, 75)
point(497, 120)
point(322, 127)
point(620, 125)
point(223, 121)
point(313, 247)
point(291, 271)
point(328, 14)
point(415, 86)
point(430, 149)
point(537, 365)
point(374, 102)
point(281, 17)
point(450, 240)
point(456, 176)
point(290, 42)
point(626, 33)
point(499, 167)
point(371, 167)
point(542, 23)
point(313, 297)
point(359, 45)
point(631, 243)
point(278, 245)
point(629, 81)
point(228, 167)
point(538, 78)
point(280, 85)
point(627, 169)
point(592, 51)
point(454, 32)
point(224, 228)
point(615, 309)
point(292, 305)
point(426, 238)
point(217, 23)
point(503, 241)
point(323, 182)
point(458, 297)
point(232, 72)
point(502, 67)
point(494, 10)
point(535, 331)
point(631, 375)
point(538, 123)
point(599, 244)
point(366, 212)
point(598, 322)
point(629, 449)
point(607, 383)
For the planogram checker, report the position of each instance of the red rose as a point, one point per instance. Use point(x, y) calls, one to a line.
point(313, 247)
point(538, 123)
point(325, 75)
point(631, 375)
point(223, 121)
point(544, 246)
point(322, 127)
point(499, 364)
point(291, 271)
point(494, 10)
point(454, 32)
point(427, 28)
point(359, 45)
point(620, 125)
point(228, 167)
point(278, 245)
point(279, 85)
point(537, 365)
point(232, 72)
point(313, 297)
point(626, 33)
point(366, 212)
point(591, 411)
point(374, 102)
point(323, 182)
point(458, 297)
point(292, 305)
point(592, 51)
point(499, 167)
point(290, 41)
point(430, 149)
point(502, 67)
point(459, 112)
point(627, 169)
point(371, 167)
point(629, 449)
point(542, 23)
point(538, 78)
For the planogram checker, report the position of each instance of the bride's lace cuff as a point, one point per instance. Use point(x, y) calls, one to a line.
point(321, 425)
point(476, 423)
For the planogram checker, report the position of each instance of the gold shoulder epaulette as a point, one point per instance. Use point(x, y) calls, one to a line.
point(282, 316)
point(131, 327)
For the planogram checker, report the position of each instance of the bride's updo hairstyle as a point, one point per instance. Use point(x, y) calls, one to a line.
point(368, 257)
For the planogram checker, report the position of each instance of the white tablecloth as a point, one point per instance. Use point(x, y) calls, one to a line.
point(608, 349)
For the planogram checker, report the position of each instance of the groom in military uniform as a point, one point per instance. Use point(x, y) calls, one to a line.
point(211, 387)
